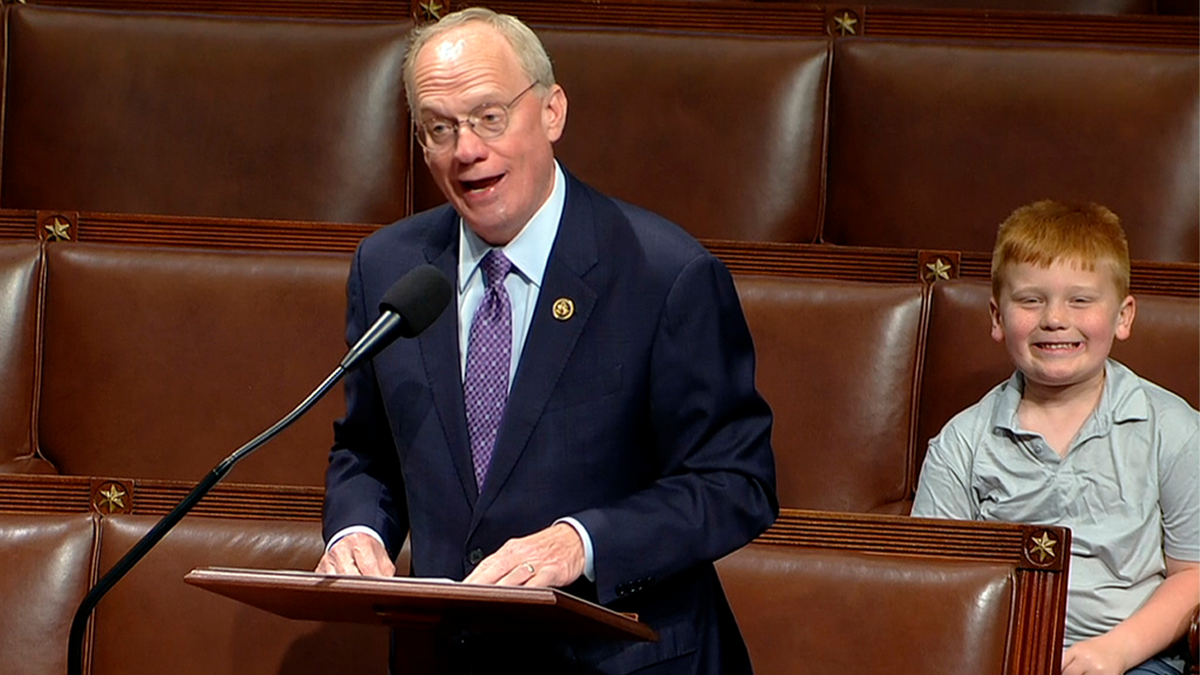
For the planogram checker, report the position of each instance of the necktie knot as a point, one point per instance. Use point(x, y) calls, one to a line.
point(496, 267)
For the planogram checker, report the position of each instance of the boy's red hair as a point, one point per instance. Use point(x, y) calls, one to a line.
point(1048, 231)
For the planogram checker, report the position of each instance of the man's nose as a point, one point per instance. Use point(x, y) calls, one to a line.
point(468, 146)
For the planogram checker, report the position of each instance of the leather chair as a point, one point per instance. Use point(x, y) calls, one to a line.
point(836, 592)
point(160, 362)
point(20, 269)
point(188, 114)
point(933, 143)
point(721, 134)
point(47, 571)
point(826, 351)
point(140, 628)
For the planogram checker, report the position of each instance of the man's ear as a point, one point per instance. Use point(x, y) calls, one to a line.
point(997, 321)
point(1125, 318)
point(554, 113)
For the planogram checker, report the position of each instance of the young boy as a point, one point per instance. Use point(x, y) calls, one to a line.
point(1077, 439)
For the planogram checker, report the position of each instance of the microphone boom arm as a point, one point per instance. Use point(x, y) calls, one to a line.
point(160, 529)
point(408, 307)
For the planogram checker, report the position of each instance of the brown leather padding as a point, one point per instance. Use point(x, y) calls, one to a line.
point(932, 144)
point(205, 116)
point(859, 613)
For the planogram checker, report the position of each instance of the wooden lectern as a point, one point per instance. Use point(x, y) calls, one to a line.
point(422, 610)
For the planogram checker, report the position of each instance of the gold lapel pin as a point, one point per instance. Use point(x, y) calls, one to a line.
point(564, 308)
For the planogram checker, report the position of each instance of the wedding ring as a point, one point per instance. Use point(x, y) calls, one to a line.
point(529, 567)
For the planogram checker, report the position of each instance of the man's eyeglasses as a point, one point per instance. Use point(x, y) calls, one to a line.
point(487, 121)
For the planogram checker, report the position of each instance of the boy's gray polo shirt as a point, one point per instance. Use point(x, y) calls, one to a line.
point(1128, 487)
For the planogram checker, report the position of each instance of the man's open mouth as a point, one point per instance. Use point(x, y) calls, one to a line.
point(482, 184)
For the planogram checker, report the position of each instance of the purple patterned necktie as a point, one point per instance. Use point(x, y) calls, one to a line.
point(485, 385)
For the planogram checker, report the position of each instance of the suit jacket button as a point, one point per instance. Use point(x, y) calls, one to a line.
point(475, 556)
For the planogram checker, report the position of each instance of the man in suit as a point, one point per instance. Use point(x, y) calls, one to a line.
point(611, 442)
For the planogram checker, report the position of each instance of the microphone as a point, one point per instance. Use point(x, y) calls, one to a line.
point(407, 308)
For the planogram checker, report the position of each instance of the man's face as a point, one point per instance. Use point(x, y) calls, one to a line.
point(1058, 323)
point(496, 185)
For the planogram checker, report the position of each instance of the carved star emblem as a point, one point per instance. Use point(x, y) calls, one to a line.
point(112, 498)
point(59, 231)
point(845, 23)
point(433, 9)
point(938, 269)
point(1043, 547)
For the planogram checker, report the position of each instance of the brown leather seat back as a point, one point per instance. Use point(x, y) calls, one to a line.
point(836, 361)
point(20, 267)
point(848, 612)
point(1163, 347)
point(140, 628)
point(188, 114)
point(722, 135)
point(962, 363)
point(47, 571)
point(161, 362)
point(933, 144)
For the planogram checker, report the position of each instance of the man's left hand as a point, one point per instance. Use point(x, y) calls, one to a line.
point(553, 557)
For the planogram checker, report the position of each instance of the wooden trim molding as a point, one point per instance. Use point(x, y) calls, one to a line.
point(724, 16)
point(20, 493)
point(823, 261)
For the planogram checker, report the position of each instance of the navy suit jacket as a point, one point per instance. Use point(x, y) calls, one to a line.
point(637, 415)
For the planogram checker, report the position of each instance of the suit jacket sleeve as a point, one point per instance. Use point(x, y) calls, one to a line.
point(712, 434)
point(364, 485)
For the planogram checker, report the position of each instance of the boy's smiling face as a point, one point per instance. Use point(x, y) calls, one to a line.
point(1058, 322)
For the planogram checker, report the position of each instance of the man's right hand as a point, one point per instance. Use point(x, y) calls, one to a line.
point(357, 554)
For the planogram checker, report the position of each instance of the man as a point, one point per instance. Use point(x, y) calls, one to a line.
point(610, 443)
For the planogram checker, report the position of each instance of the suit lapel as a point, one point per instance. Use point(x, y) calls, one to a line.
point(439, 349)
point(550, 341)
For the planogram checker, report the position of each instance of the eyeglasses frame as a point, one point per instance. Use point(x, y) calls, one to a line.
point(471, 120)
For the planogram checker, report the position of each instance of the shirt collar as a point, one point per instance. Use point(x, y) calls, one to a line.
point(1122, 400)
point(529, 251)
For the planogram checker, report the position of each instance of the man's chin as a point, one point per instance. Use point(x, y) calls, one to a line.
point(481, 205)
point(489, 227)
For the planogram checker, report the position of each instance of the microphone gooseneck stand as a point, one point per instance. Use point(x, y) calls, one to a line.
point(156, 533)
point(407, 309)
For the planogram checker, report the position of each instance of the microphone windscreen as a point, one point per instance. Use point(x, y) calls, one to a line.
point(419, 298)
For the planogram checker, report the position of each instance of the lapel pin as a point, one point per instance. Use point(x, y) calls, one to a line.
point(564, 308)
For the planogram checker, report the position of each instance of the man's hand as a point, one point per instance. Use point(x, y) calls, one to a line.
point(1097, 656)
point(553, 557)
point(357, 554)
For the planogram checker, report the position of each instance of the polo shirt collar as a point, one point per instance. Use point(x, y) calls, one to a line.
point(1123, 400)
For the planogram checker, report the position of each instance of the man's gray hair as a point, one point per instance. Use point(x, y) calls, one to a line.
point(530, 52)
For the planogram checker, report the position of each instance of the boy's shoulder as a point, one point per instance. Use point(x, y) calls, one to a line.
point(1131, 395)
